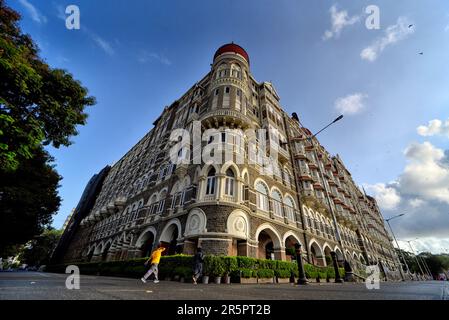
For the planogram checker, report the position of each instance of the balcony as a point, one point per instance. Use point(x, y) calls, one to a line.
point(304, 173)
point(300, 152)
point(228, 116)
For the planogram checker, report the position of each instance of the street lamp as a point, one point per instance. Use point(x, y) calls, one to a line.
point(301, 275)
point(397, 244)
point(320, 169)
point(416, 258)
point(338, 279)
point(424, 263)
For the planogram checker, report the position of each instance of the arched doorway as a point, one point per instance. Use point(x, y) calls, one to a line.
point(339, 256)
point(145, 243)
point(169, 239)
point(90, 254)
point(269, 244)
point(290, 251)
point(327, 255)
point(147, 246)
point(316, 254)
point(104, 254)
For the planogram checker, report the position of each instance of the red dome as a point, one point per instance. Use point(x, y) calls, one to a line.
point(232, 47)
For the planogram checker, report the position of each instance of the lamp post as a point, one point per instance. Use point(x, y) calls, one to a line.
point(416, 258)
point(394, 237)
point(320, 169)
point(301, 275)
point(424, 263)
point(338, 279)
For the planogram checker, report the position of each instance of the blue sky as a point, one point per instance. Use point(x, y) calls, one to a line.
point(138, 56)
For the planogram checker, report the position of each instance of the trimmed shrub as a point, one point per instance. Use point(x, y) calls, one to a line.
point(246, 263)
point(283, 273)
point(248, 273)
point(265, 273)
point(230, 264)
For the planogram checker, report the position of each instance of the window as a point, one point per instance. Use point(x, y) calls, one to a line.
point(289, 208)
point(229, 183)
point(286, 177)
point(211, 182)
point(262, 196)
point(227, 90)
point(277, 203)
point(217, 91)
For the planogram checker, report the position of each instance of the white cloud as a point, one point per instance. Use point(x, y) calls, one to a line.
point(145, 57)
point(351, 104)
point(434, 127)
point(340, 20)
point(415, 203)
point(61, 12)
point(432, 244)
point(425, 175)
point(421, 191)
point(103, 44)
point(386, 196)
point(34, 13)
point(393, 34)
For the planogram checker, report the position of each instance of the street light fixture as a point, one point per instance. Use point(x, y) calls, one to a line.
point(424, 263)
point(416, 258)
point(397, 244)
point(320, 169)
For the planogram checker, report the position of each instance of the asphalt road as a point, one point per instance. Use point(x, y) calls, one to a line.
point(45, 286)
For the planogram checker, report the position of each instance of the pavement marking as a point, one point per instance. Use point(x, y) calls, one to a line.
point(121, 290)
point(149, 291)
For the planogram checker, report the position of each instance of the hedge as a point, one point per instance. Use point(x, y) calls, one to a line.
point(214, 266)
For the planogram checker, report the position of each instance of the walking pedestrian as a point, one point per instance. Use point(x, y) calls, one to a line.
point(198, 260)
point(155, 258)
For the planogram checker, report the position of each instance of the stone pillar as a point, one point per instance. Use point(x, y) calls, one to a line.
point(279, 253)
point(189, 247)
point(218, 246)
point(220, 186)
point(201, 188)
point(238, 189)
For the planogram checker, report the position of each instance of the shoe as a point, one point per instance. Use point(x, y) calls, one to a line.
point(143, 280)
point(156, 281)
point(194, 280)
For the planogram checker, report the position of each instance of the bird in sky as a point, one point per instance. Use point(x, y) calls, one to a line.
point(421, 53)
point(410, 25)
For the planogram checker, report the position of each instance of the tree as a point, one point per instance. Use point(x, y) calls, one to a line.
point(39, 250)
point(28, 199)
point(38, 104)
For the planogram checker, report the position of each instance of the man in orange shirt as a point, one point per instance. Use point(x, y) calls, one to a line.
point(155, 259)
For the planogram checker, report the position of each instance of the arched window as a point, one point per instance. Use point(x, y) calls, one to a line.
point(230, 183)
point(211, 182)
point(162, 201)
point(289, 208)
point(262, 196)
point(277, 203)
point(286, 177)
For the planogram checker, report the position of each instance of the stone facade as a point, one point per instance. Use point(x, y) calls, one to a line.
point(238, 207)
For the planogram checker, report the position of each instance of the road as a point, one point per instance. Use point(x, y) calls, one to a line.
point(45, 286)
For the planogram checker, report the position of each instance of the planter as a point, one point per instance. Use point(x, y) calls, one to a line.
point(182, 280)
point(167, 279)
point(176, 278)
point(205, 279)
point(248, 280)
point(217, 280)
point(283, 280)
point(265, 280)
point(227, 280)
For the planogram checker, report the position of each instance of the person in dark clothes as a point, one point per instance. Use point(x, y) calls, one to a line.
point(198, 260)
